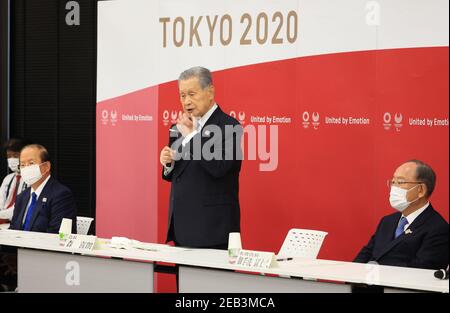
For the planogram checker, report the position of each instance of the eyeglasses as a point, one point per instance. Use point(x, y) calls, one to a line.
point(399, 182)
point(23, 165)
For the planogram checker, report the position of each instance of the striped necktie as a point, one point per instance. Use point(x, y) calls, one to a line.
point(401, 226)
point(27, 223)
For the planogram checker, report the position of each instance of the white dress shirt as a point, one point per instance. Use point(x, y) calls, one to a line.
point(411, 217)
point(6, 194)
point(200, 123)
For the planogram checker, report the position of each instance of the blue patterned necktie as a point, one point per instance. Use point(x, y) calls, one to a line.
point(401, 226)
point(27, 223)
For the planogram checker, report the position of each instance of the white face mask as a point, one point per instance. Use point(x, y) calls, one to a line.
point(13, 164)
point(398, 200)
point(31, 173)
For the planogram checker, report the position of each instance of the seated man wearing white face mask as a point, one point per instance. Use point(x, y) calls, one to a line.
point(41, 207)
point(46, 202)
point(415, 236)
point(12, 184)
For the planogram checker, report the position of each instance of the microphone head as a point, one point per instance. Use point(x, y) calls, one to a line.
point(439, 274)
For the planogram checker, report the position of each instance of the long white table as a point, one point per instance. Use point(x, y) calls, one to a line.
point(44, 266)
point(306, 276)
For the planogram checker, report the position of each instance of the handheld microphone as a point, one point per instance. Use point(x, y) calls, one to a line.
point(441, 274)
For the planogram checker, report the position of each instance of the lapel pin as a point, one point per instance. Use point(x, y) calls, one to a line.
point(207, 133)
point(44, 200)
point(408, 231)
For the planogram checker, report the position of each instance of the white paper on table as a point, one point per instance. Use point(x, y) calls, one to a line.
point(125, 243)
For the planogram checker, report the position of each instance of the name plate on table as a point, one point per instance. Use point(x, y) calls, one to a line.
point(80, 242)
point(256, 259)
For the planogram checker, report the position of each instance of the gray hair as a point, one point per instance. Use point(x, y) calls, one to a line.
point(43, 152)
point(203, 74)
point(425, 173)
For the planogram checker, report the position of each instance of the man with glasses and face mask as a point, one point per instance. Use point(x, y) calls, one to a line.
point(40, 208)
point(46, 202)
point(13, 183)
point(415, 236)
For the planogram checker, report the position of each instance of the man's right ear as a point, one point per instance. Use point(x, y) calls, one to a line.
point(423, 190)
point(48, 166)
point(212, 90)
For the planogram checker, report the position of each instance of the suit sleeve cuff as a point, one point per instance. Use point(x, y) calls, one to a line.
point(168, 169)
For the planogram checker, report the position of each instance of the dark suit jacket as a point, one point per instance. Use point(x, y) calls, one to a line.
point(54, 203)
point(425, 247)
point(204, 202)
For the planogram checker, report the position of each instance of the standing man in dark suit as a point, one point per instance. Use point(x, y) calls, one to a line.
point(202, 162)
point(42, 206)
point(415, 236)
